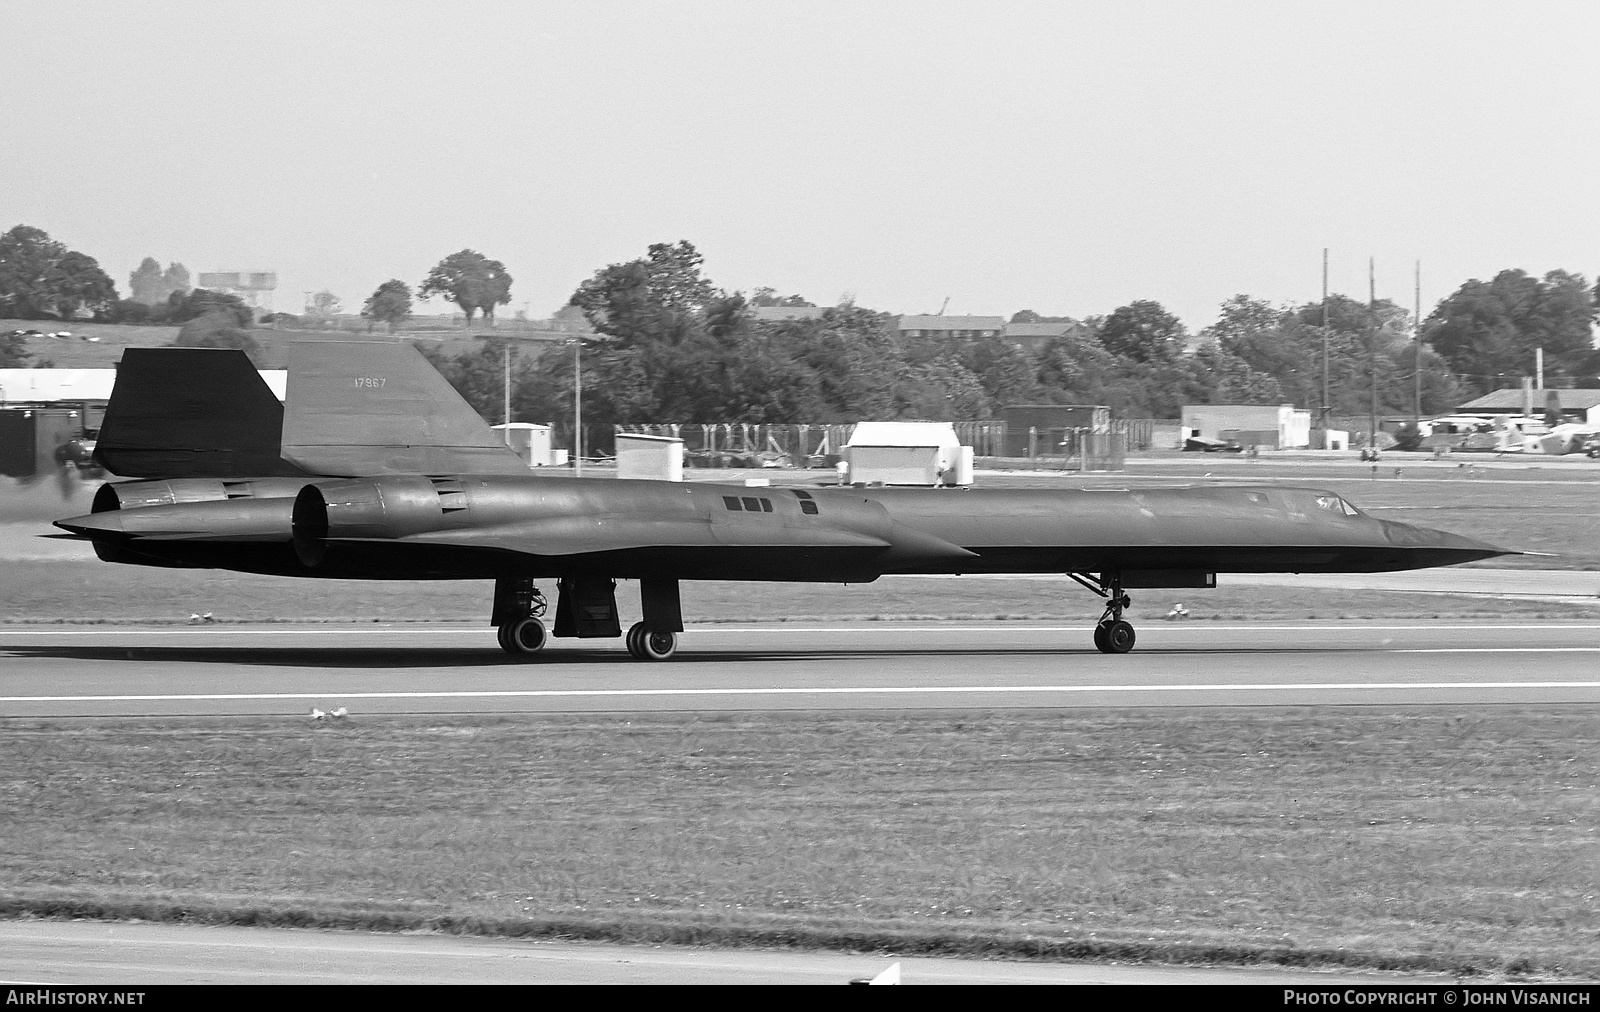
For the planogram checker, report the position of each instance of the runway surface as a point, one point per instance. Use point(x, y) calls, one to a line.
point(128, 955)
point(371, 668)
point(60, 671)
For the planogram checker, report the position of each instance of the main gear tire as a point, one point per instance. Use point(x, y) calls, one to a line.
point(648, 645)
point(523, 637)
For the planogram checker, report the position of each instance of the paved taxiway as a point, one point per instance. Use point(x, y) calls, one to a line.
point(112, 671)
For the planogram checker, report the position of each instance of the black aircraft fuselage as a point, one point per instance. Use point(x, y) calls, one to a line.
point(376, 469)
point(496, 526)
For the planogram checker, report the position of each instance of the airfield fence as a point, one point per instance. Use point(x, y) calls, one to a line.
point(745, 444)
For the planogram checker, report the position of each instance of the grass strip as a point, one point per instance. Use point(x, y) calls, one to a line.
point(995, 943)
point(93, 593)
point(1418, 838)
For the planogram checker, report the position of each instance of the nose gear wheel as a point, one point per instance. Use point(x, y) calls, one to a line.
point(1112, 635)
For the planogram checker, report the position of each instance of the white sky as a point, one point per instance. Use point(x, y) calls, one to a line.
point(1063, 157)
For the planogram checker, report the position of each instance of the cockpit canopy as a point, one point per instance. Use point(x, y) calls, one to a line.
point(1335, 504)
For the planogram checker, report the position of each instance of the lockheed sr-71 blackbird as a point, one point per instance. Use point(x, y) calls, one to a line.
point(376, 469)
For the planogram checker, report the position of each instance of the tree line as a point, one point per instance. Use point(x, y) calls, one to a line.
point(669, 345)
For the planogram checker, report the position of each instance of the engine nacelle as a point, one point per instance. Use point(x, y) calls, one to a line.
point(139, 494)
point(373, 508)
point(227, 520)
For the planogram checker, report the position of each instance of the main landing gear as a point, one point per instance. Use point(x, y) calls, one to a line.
point(648, 644)
point(586, 609)
point(518, 609)
point(1112, 635)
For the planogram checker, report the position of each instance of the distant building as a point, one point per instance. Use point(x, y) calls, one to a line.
point(85, 390)
point(1033, 429)
point(569, 319)
point(951, 326)
point(1576, 405)
point(1275, 426)
point(254, 287)
point(778, 314)
point(1034, 336)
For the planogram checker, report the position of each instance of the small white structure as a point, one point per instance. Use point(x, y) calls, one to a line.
point(908, 453)
point(641, 456)
point(529, 441)
point(1280, 426)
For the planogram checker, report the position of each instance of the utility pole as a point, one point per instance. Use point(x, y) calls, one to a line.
point(506, 363)
point(1416, 340)
point(1326, 408)
point(577, 407)
point(1372, 345)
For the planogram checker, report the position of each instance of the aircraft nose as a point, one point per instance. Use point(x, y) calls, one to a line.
point(1442, 545)
point(93, 523)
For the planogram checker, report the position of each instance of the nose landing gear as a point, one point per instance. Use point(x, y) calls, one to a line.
point(1112, 635)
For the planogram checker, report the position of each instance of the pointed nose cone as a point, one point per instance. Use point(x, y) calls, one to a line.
point(93, 524)
point(1424, 546)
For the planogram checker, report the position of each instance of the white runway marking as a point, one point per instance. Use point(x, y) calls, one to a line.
point(922, 629)
point(1494, 650)
point(854, 690)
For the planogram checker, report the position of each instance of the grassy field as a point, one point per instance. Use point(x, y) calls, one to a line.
point(37, 591)
point(1422, 838)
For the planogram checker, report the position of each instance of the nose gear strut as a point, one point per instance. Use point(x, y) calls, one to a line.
point(1112, 635)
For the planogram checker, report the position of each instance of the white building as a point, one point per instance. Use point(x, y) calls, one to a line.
point(1279, 427)
point(642, 456)
point(908, 453)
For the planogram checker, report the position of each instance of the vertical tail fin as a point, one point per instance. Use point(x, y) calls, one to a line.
point(360, 409)
point(190, 413)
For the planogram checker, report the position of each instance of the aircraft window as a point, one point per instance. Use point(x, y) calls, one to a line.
point(752, 504)
point(731, 501)
point(766, 505)
point(808, 507)
point(1334, 504)
point(802, 494)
